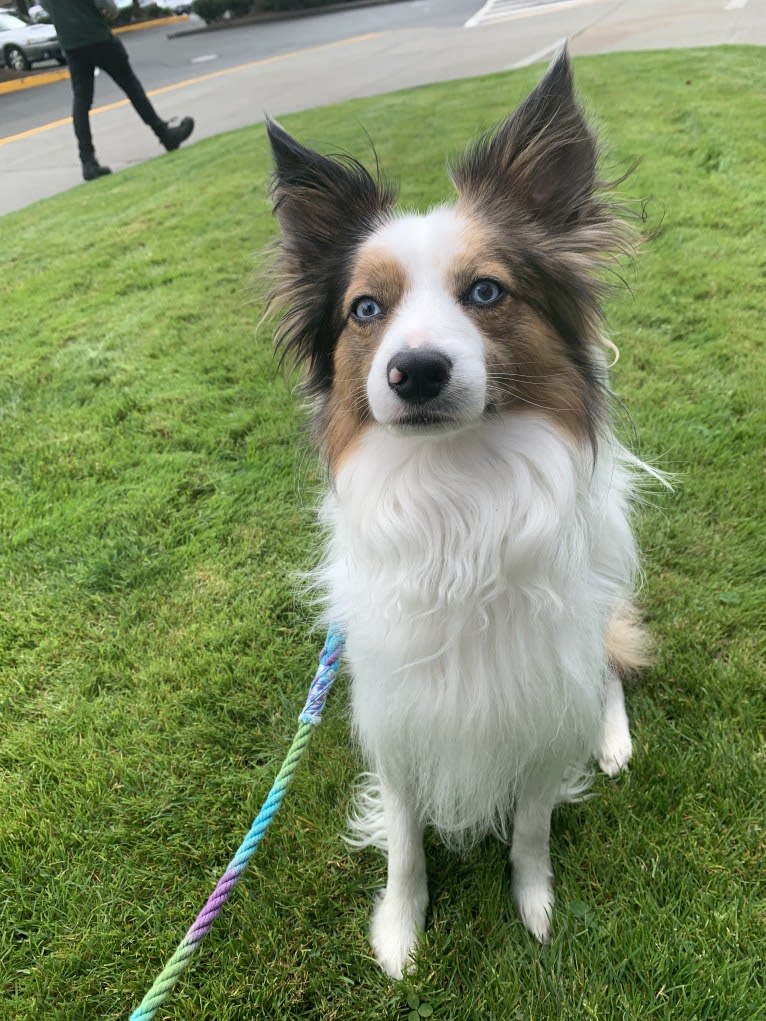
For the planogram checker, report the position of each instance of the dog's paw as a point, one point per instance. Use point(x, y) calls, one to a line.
point(394, 932)
point(616, 750)
point(534, 903)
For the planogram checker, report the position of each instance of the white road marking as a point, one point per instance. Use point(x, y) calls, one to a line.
point(205, 57)
point(735, 5)
point(495, 11)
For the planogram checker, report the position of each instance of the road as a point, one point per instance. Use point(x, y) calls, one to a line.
point(168, 55)
point(227, 79)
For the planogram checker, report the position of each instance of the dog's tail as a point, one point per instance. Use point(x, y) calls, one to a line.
point(628, 644)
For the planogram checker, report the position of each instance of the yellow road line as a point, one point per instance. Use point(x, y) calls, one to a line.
point(31, 132)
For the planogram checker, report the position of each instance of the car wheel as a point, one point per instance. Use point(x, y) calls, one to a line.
point(15, 59)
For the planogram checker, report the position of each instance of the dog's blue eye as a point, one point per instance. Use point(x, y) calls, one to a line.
point(484, 292)
point(366, 308)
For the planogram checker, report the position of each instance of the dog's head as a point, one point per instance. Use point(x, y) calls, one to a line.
point(430, 323)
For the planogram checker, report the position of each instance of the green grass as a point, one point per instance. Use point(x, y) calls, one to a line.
point(157, 500)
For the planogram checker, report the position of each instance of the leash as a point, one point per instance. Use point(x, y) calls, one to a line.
point(310, 716)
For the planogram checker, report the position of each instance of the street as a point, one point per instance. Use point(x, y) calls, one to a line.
point(227, 79)
point(167, 55)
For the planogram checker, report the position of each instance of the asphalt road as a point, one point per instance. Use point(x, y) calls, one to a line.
point(168, 55)
point(227, 79)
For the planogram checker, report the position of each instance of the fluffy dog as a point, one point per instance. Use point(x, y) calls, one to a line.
point(479, 557)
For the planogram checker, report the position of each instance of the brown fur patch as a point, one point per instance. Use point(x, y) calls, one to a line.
point(376, 274)
point(529, 366)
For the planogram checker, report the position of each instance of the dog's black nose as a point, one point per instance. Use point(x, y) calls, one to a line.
point(418, 375)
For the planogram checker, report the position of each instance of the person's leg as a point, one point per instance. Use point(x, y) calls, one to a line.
point(113, 58)
point(81, 70)
point(81, 75)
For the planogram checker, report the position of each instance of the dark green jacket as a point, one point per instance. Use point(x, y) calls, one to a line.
point(78, 23)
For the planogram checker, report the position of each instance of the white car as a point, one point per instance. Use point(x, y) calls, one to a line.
point(175, 6)
point(22, 45)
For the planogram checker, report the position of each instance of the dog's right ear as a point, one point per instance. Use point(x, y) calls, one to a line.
point(542, 158)
point(320, 198)
point(326, 206)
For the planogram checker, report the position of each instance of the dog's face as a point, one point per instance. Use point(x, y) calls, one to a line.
point(412, 350)
point(430, 323)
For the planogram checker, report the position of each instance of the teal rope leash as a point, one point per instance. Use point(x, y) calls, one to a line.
point(308, 719)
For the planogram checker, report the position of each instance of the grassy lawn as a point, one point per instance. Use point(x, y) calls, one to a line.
point(157, 500)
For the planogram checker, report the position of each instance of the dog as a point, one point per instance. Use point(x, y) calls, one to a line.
point(479, 558)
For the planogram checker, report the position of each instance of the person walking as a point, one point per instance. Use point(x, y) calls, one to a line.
point(88, 43)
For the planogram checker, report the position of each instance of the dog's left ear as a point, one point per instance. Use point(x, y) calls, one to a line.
point(543, 158)
point(326, 206)
point(319, 198)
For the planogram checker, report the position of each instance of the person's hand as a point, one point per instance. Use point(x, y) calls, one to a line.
point(109, 9)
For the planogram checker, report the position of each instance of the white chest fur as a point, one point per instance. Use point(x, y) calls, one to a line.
point(474, 575)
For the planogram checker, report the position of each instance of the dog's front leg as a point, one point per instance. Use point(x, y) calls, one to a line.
point(530, 856)
point(399, 916)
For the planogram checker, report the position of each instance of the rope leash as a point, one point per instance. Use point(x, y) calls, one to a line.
point(308, 719)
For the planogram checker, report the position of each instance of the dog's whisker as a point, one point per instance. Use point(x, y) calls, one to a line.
point(542, 407)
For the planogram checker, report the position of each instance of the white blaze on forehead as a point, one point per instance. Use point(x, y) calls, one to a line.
point(425, 246)
point(428, 249)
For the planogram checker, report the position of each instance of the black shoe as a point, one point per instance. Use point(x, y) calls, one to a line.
point(172, 136)
point(91, 169)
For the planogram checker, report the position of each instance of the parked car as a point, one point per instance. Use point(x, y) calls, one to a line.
point(174, 6)
point(170, 6)
point(22, 45)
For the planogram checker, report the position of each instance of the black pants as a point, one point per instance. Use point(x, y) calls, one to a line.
point(112, 57)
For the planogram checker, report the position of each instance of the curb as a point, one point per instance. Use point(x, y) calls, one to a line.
point(31, 81)
point(171, 19)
